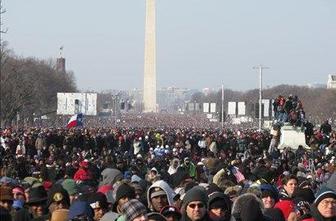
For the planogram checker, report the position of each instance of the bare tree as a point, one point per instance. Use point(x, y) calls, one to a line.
point(29, 87)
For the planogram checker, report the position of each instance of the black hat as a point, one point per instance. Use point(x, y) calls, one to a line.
point(97, 200)
point(58, 194)
point(171, 210)
point(125, 190)
point(156, 216)
point(219, 200)
point(37, 195)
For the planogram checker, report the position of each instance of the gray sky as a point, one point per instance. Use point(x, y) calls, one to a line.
point(200, 43)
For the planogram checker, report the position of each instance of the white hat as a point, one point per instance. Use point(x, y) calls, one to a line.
point(154, 169)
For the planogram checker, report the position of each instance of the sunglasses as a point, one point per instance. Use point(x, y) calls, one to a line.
point(193, 205)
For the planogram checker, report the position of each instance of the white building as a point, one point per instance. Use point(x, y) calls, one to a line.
point(331, 81)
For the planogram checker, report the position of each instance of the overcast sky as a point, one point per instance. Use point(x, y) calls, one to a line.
point(200, 43)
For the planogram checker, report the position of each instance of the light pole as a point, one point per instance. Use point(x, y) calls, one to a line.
point(260, 68)
point(222, 106)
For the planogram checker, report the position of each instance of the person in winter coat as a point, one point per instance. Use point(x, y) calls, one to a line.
point(324, 206)
point(134, 210)
point(248, 207)
point(159, 195)
point(219, 206)
point(194, 206)
point(83, 173)
point(286, 204)
point(269, 197)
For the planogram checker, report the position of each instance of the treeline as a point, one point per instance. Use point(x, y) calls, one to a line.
point(319, 103)
point(29, 87)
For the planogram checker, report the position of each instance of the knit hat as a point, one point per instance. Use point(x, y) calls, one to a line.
point(125, 190)
point(323, 193)
point(80, 208)
point(269, 190)
point(70, 186)
point(6, 193)
point(133, 209)
point(197, 193)
point(18, 190)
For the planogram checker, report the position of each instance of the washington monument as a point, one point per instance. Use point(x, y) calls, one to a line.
point(149, 91)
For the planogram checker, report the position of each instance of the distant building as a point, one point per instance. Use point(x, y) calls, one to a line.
point(317, 85)
point(60, 65)
point(206, 91)
point(331, 84)
point(172, 99)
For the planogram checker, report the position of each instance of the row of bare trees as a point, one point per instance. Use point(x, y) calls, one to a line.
point(29, 86)
point(319, 103)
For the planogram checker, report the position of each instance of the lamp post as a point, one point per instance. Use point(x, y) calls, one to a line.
point(260, 68)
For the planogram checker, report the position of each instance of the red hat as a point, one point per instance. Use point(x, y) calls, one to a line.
point(18, 189)
point(47, 185)
point(84, 163)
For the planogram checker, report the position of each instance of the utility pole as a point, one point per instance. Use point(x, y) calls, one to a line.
point(260, 68)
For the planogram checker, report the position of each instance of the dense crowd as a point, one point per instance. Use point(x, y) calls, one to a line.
point(175, 172)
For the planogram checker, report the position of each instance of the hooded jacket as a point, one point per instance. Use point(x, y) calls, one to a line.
point(213, 197)
point(248, 207)
point(165, 187)
point(110, 176)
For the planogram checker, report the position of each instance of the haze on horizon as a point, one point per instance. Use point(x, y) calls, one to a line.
point(199, 43)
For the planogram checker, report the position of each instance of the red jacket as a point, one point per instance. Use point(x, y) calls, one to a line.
point(82, 175)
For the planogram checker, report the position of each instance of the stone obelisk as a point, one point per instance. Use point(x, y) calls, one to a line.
point(149, 90)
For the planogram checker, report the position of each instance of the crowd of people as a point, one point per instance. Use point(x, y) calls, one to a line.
point(164, 173)
point(289, 110)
